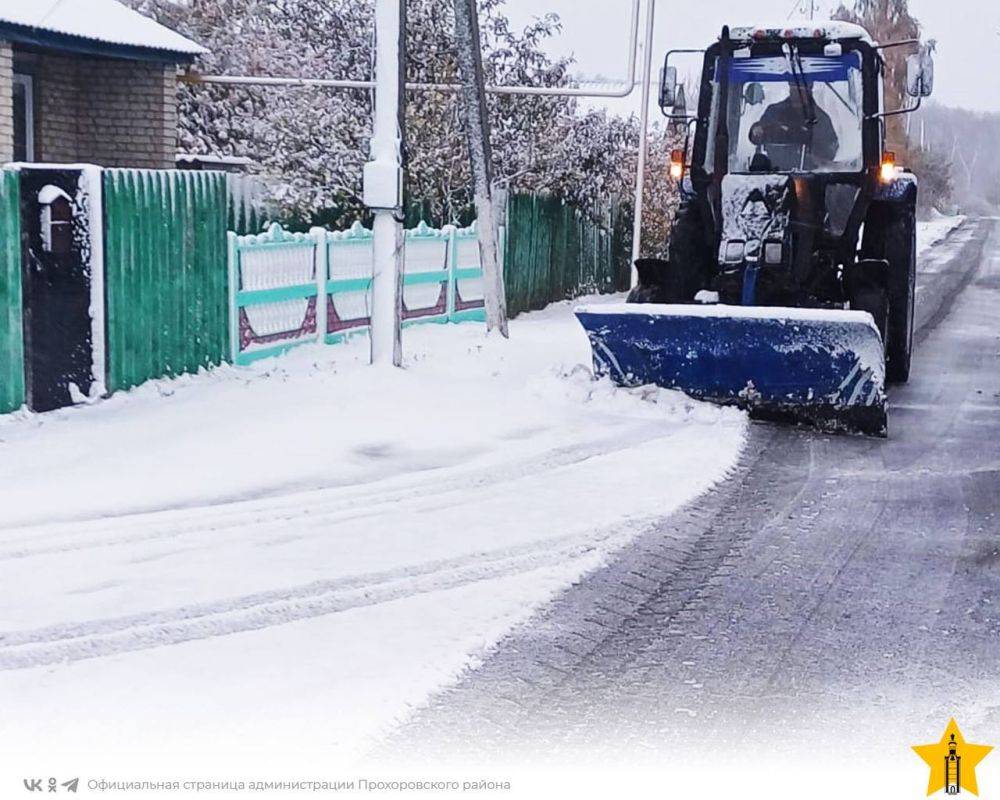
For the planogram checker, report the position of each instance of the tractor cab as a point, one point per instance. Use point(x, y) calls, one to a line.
point(790, 105)
point(788, 158)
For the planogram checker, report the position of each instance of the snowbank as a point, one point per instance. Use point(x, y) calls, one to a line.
point(933, 231)
point(293, 555)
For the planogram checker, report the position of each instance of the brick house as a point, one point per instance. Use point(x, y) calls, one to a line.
point(88, 81)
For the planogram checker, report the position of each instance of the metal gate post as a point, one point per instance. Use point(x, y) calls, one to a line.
point(322, 262)
point(452, 280)
point(234, 312)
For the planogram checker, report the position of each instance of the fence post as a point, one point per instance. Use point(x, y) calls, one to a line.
point(322, 262)
point(502, 236)
point(452, 280)
point(234, 315)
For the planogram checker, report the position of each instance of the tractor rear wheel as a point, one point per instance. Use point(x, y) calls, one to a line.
point(865, 283)
point(901, 253)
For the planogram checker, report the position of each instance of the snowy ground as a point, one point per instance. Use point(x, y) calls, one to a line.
point(292, 557)
point(932, 231)
point(297, 554)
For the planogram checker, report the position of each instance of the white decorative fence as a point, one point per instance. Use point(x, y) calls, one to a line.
point(288, 289)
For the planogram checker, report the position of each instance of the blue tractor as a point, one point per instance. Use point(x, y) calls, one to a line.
point(790, 278)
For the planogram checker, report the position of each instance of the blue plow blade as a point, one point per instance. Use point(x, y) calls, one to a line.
point(815, 366)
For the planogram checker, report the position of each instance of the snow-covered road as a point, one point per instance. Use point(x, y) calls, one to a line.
point(835, 597)
point(314, 543)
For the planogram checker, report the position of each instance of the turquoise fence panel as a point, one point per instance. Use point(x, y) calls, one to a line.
point(467, 301)
point(288, 289)
point(433, 277)
point(11, 331)
point(427, 277)
point(348, 289)
point(275, 285)
point(442, 278)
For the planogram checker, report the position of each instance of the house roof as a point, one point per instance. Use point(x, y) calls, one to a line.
point(93, 27)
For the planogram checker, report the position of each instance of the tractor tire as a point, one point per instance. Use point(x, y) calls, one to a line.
point(691, 261)
point(658, 283)
point(901, 253)
point(874, 300)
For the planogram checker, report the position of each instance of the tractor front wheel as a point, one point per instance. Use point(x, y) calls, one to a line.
point(690, 258)
point(874, 300)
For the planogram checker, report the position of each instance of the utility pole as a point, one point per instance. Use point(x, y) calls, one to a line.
point(640, 181)
point(383, 184)
point(477, 126)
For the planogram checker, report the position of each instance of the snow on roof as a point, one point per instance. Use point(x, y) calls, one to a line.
point(239, 161)
point(829, 29)
point(102, 21)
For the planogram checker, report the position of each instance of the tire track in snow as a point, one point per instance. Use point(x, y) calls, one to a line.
point(104, 637)
point(307, 511)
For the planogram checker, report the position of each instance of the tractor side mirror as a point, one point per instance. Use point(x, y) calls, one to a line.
point(668, 87)
point(920, 73)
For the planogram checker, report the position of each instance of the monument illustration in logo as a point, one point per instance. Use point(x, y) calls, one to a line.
point(952, 762)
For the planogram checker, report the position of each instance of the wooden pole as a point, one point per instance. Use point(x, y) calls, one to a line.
point(477, 126)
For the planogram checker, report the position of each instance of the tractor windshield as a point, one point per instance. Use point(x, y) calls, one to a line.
point(792, 113)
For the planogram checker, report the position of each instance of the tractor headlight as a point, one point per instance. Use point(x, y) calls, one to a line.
point(772, 253)
point(734, 252)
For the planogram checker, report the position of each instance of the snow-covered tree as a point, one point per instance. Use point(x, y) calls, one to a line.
point(311, 144)
point(891, 21)
point(524, 129)
point(888, 21)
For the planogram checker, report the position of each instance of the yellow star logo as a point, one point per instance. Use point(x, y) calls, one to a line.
point(952, 761)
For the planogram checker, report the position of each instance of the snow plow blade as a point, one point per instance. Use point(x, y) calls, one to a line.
point(814, 366)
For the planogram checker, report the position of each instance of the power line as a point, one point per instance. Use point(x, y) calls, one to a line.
point(800, 6)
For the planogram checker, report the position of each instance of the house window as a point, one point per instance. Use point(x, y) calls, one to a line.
point(24, 118)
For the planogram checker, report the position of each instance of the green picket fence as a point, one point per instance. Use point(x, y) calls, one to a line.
point(11, 330)
point(556, 252)
point(246, 211)
point(165, 273)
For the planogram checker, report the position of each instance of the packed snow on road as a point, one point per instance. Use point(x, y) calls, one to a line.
point(316, 543)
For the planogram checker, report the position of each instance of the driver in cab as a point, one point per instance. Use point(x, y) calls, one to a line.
point(794, 134)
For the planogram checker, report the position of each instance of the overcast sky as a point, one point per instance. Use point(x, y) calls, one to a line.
point(595, 31)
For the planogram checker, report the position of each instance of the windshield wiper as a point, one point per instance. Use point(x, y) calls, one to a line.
point(794, 59)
